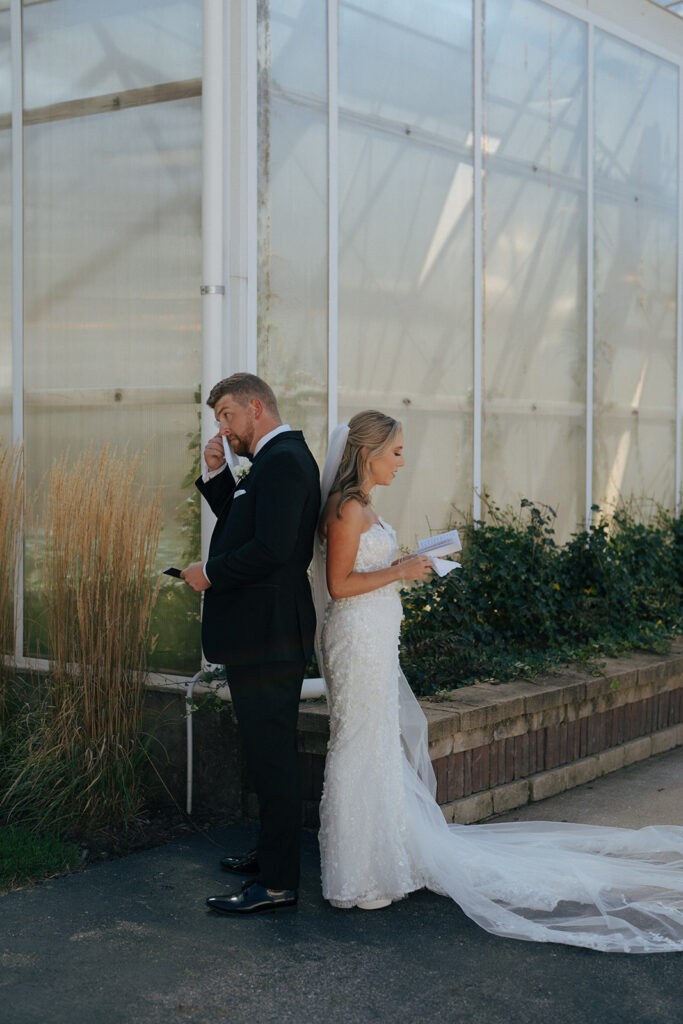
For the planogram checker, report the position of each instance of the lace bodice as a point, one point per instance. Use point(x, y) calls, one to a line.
point(377, 549)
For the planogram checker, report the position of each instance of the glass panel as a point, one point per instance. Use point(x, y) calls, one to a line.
point(78, 48)
point(112, 307)
point(408, 65)
point(636, 157)
point(535, 258)
point(405, 272)
point(5, 232)
point(292, 286)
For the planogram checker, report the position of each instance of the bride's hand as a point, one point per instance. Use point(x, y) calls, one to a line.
point(415, 567)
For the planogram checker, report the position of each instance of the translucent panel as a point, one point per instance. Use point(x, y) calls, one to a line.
point(292, 288)
point(112, 308)
point(5, 60)
point(5, 234)
point(293, 46)
point(534, 351)
point(636, 118)
point(535, 81)
point(535, 260)
point(408, 63)
point(78, 48)
point(635, 352)
point(636, 131)
point(405, 270)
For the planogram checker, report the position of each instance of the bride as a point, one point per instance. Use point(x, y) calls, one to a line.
point(382, 833)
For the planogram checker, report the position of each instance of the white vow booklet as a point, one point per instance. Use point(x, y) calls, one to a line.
point(441, 544)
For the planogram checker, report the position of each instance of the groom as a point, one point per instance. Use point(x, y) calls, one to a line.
point(258, 616)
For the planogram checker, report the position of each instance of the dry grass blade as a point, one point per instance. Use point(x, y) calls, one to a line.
point(11, 524)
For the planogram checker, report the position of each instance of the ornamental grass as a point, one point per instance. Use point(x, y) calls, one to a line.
point(11, 522)
point(77, 750)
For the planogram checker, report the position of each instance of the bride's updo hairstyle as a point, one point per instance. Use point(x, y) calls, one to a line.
point(373, 431)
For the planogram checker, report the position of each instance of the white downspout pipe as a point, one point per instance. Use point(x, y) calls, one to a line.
point(189, 747)
point(213, 276)
point(213, 272)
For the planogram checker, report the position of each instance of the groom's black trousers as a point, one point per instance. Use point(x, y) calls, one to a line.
point(266, 702)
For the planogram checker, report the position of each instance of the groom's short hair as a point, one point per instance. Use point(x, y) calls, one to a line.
point(244, 387)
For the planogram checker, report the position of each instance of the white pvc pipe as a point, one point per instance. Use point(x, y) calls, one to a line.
point(189, 738)
point(213, 277)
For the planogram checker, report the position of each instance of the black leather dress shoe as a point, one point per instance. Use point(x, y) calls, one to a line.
point(253, 899)
point(241, 864)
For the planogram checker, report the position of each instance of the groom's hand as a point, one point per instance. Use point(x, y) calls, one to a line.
point(214, 454)
point(194, 576)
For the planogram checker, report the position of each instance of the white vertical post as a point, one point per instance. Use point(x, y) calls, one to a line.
point(213, 278)
point(679, 299)
point(250, 136)
point(17, 75)
point(333, 214)
point(590, 274)
point(478, 210)
point(241, 187)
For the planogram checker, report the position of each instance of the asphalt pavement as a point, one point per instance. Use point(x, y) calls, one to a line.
point(131, 942)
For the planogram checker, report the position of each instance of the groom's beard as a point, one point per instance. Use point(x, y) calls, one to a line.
point(240, 445)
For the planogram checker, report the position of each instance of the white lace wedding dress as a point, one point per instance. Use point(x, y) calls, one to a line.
point(383, 835)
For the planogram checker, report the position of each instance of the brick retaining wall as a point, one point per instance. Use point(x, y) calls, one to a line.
point(497, 747)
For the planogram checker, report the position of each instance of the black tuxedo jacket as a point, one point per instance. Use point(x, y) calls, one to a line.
point(259, 608)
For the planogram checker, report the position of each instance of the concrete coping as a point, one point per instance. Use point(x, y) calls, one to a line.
point(486, 704)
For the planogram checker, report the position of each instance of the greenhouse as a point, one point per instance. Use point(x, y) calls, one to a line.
point(466, 213)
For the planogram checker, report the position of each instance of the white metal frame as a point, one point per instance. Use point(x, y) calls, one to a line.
point(250, 178)
point(478, 246)
point(583, 13)
point(333, 214)
point(590, 277)
point(17, 79)
point(679, 301)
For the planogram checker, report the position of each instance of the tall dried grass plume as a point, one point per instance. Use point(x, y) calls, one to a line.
point(97, 533)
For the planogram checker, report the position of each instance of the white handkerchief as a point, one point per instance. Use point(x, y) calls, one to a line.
point(237, 494)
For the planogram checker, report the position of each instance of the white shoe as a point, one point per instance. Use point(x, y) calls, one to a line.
point(373, 904)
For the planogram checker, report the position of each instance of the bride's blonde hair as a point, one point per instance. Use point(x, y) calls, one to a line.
point(373, 431)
